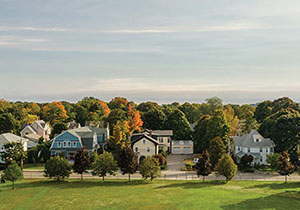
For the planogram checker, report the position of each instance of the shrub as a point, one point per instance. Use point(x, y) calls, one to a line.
point(58, 168)
point(161, 159)
point(272, 160)
point(150, 168)
point(246, 160)
point(226, 167)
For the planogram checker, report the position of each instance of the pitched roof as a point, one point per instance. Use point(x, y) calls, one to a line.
point(249, 140)
point(10, 137)
point(162, 132)
point(140, 137)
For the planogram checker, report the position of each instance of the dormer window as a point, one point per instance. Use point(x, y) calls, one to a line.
point(144, 141)
point(257, 140)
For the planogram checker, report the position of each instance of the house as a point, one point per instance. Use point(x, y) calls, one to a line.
point(36, 130)
point(163, 137)
point(144, 145)
point(255, 145)
point(70, 141)
point(73, 125)
point(9, 138)
point(185, 147)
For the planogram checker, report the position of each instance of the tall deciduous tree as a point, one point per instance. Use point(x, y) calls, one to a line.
point(214, 103)
point(54, 112)
point(232, 120)
point(203, 165)
point(12, 173)
point(128, 161)
point(150, 168)
point(104, 164)
point(285, 167)
point(191, 111)
point(201, 142)
point(226, 167)
point(81, 162)
point(216, 149)
point(263, 110)
point(15, 151)
point(179, 124)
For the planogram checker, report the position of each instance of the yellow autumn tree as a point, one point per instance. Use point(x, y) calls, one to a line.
point(231, 119)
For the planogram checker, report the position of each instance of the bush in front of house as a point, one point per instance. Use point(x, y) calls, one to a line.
point(57, 168)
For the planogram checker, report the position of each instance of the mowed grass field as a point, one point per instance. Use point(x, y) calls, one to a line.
point(121, 194)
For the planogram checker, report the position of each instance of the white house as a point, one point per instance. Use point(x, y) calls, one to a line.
point(255, 145)
point(36, 130)
point(144, 145)
point(9, 138)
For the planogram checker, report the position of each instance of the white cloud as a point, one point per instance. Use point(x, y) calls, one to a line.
point(29, 28)
point(98, 50)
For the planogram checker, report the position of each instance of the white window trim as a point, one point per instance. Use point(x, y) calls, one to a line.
point(58, 144)
point(74, 144)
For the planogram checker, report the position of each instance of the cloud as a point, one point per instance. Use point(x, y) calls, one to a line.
point(29, 28)
point(97, 50)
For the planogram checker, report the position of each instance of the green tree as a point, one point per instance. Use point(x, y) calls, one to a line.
point(154, 119)
point(272, 160)
point(177, 122)
point(226, 167)
point(283, 128)
point(218, 126)
point(81, 162)
point(246, 160)
point(263, 110)
point(214, 103)
point(105, 164)
point(203, 165)
point(285, 167)
point(15, 151)
point(246, 114)
point(58, 128)
point(128, 161)
point(191, 111)
point(57, 168)
point(201, 142)
point(12, 173)
point(216, 149)
point(150, 168)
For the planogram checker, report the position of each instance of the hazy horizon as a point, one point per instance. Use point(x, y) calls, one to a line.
point(163, 51)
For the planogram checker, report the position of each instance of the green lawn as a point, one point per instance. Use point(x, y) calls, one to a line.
point(31, 166)
point(93, 194)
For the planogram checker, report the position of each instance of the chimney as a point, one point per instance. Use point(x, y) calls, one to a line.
point(150, 133)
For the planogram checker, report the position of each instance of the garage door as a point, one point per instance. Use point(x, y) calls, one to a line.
point(176, 150)
point(186, 150)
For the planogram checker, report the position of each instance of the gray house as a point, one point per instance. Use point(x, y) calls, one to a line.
point(255, 145)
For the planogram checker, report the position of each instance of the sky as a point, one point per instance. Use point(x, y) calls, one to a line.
point(150, 50)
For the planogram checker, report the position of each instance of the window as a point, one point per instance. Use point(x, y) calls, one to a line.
point(148, 149)
point(267, 149)
point(257, 140)
point(168, 140)
point(239, 148)
point(161, 139)
point(136, 149)
point(65, 144)
point(59, 144)
point(249, 150)
point(74, 144)
point(144, 141)
point(69, 144)
point(261, 149)
point(261, 160)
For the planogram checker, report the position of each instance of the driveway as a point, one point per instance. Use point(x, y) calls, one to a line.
point(175, 162)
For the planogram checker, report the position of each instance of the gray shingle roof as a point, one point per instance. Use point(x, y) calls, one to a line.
point(249, 140)
point(10, 137)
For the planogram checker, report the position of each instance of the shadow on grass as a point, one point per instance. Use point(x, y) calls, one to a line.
point(191, 185)
point(77, 184)
point(280, 201)
point(277, 186)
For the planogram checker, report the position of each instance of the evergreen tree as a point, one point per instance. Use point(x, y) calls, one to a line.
point(285, 167)
point(128, 162)
point(226, 167)
point(150, 168)
point(12, 173)
point(216, 149)
point(204, 166)
point(105, 164)
point(81, 162)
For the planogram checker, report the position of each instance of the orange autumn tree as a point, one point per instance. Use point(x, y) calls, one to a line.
point(135, 122)
point(54, 112)
point(31, 112)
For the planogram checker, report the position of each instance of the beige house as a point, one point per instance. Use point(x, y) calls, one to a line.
point(163, 137)
point(185, 147)
point(144, 146)
point(36, 130)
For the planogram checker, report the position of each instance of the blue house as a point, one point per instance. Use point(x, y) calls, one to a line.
point(70, 141)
